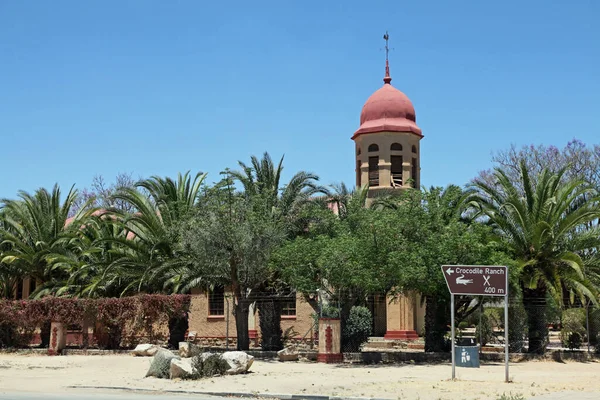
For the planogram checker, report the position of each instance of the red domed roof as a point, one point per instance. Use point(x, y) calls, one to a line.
point(387, 110)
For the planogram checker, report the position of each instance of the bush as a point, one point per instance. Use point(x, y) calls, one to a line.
point(574, 341)
point(484, 332)
point(117, 317)
point(517, 327)
point(463, 325)
point(357, 328)
point(207, 365)
point(573, 328)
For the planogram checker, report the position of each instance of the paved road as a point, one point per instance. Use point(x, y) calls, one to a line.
point(99, 396)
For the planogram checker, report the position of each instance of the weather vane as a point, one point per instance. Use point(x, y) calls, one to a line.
point(386, 37)
point(387, 78)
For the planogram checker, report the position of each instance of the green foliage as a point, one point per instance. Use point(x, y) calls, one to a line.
point(573, 328)
point(545, 221)
point(356, 329)
point(511, 396)
point(517, 327)
point(207, 365)
point(463, 325)
point(484, 331)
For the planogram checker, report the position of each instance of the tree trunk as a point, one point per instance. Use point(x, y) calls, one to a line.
point(534, 302)
point(270, 324)
point(177, 328)
point(242, 310)
point(435, 327)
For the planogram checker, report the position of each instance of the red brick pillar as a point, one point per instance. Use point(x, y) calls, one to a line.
point(58, 338)
point(330, 341)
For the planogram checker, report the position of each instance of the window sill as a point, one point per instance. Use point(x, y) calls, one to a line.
point(288, 317)
point(215, 317)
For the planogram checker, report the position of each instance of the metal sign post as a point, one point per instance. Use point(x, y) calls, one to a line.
point(453, 339)
point(506, 378)
point(477, 280)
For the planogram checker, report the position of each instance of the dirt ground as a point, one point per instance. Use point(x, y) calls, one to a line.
point(35, 373)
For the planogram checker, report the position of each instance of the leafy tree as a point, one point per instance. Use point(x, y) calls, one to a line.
point(285, 203)
point(229, 242)
point(545, 221)
point(431, 233)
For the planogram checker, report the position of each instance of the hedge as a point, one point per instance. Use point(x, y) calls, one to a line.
point(135, 316)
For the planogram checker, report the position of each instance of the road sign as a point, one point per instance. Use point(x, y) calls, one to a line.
point(476, 280)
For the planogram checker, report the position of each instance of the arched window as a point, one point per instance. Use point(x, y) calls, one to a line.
point(396, 147)
point(358, 151)
point(373, 148)
point(414, 149)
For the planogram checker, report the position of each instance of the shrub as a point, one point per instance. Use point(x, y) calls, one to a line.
point(511, 397)
point(573, 328)
point(463, 325)
point(357, 328)
point(574, 341)
point(135, 316)
point(207, 365)
point(484, 332)
point(517, 327)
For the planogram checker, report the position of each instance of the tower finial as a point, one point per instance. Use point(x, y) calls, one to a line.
point(387, 78)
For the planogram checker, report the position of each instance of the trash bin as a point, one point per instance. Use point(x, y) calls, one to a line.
point(466, 353)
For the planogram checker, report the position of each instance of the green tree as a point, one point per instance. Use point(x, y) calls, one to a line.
point(431, 233)
point(229, 242)
point(285, 203)
point(33, 232)
point(148, 258)
point(545, 221)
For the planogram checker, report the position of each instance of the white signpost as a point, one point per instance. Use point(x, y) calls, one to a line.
point(477, 280)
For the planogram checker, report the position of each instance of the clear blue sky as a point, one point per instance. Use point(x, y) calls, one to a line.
point(158, 87)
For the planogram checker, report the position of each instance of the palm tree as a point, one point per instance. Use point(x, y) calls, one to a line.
point(286, 201)
point(346, 201)
point(545, 225)
point(148, 251)
point(34, 226)
point(33, 230)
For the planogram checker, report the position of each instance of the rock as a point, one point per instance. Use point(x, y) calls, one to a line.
point(239, 362)
point(180, 368)
point(145, 350)
point(288, 354)
point(187, 349)
point(161, 364)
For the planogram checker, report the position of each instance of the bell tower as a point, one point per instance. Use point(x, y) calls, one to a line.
point(387, 150)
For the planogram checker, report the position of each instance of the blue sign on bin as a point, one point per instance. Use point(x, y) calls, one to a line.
point(467, 356)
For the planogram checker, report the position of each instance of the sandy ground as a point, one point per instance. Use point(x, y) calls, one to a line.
point(36, 373)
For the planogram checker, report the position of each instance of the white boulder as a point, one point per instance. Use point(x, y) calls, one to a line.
point(239, 362)
point(187, 349)
point(288, 354)
point(145, 350)
point(161, 364)
point(180, 368)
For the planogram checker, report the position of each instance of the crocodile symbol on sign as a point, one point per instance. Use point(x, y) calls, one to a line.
point(461, 281)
